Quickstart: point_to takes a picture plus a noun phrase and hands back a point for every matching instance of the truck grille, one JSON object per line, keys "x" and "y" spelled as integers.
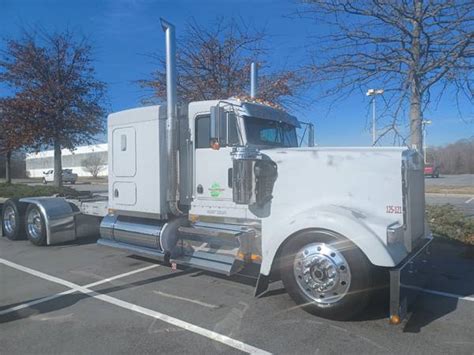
{"x": 413, "y": 199}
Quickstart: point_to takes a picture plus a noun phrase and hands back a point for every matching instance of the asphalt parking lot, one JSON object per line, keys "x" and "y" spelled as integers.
{"x": 83, "y": 298}
{"x": 451, "y": 180}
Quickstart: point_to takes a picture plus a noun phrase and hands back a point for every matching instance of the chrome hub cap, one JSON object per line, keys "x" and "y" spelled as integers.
{"x": 34, "y": 224}
{"x": 9, "y": 220}
{"x": 322, "y": 272}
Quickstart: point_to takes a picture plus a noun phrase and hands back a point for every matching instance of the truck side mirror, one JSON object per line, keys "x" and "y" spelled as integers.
{"x": 216, "y": 123}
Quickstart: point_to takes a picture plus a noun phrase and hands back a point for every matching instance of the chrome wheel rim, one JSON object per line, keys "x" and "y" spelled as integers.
{"x": 9, "y": 220}
{"x": 34, "y": 224}
{"x": 322, "y": 273}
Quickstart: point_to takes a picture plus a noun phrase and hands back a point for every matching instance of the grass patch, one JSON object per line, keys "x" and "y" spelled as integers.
{"x": 22, "y": 190}
{"x": 447, "y": 222}
{"x": 465, "y": 190}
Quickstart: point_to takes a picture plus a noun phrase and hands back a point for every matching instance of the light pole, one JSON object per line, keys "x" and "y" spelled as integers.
{"x": 424, "y": 123}
{"x": 374, "y": 92}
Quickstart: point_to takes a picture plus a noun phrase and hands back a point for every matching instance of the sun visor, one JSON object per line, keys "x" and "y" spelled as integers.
{"x": 267, "y": 113}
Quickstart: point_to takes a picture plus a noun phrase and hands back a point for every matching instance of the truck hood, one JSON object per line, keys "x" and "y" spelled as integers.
{"x": 365, "y": 179}
{"x": 313, "y": 150}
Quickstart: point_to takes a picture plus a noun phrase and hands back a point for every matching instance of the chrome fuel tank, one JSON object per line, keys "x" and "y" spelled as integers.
{"x": 132, "y": 230}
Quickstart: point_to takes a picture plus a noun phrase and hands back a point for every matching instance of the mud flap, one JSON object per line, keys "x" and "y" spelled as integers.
{"x": 262, "y": 285}
{"x": 406, "y": 280}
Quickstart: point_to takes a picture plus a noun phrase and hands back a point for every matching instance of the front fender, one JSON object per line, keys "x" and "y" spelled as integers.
{"x": 367, "y": 235}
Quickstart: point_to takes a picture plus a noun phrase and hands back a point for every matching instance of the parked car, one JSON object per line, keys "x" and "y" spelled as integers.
{"x": 431, "y": 170}
{"x": 68, "y": 176}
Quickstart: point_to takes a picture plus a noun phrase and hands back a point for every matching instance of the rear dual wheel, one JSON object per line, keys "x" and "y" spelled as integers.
{"x": 20, "y": 219}
{"x": 326, "y": 274}
{"x": 35, "y": 226}
{"x": 13, "y": 213}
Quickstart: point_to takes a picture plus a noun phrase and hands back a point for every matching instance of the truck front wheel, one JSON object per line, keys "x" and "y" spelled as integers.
{"x": 326, "y": 274}
{"x": 35, "y": 226}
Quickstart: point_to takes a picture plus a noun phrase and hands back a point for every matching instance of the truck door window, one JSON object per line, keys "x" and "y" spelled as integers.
{"x": 203, "y": 135}
{"x": 228, "y": 132}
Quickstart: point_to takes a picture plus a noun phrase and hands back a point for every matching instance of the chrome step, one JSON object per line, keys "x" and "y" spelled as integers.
{"x": 212, "y": 246}
{"x": 227, "y": 265}
{"x": 211, "y": 236}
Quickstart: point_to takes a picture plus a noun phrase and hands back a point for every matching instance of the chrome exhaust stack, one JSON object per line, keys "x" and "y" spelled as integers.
{"x": 253, "y": 80}
{"x": 172, "y": 195}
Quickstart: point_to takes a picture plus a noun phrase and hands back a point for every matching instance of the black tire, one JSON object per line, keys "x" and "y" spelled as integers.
{"x": 15, "y": 230}
{"x": 44, "y": 181}
{"x": 357, "y": 296}
{"x": 34, "y": 218}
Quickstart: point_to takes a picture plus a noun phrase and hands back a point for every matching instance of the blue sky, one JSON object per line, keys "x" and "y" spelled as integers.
{"x": 123, "y": 32}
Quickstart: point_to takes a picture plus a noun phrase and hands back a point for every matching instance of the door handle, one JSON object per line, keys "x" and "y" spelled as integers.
{"x": 229, "y": 178}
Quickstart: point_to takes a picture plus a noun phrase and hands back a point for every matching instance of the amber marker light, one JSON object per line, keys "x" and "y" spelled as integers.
{"x": 394, "y": 319}
{"x": 215, "y": 145}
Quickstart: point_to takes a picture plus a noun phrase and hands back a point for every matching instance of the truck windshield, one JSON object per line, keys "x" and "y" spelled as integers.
{"x": 270, "y": 133}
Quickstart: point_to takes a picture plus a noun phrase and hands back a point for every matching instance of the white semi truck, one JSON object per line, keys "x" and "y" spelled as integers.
{"x": 222, "y": 186}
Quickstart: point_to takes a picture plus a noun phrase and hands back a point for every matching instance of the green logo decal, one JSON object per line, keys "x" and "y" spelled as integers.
{"x": 215, "y": 190}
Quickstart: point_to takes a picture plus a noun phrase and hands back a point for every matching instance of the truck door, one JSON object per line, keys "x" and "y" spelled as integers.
{"x": 213, "y": 172}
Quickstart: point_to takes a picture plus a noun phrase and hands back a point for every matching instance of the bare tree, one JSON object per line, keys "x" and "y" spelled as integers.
{"x": 53, "y": 78}
{"x": 454, "y": 158}
{"x": 93, "y": 164}
{"x": 214, "y": 63}
{"x": 413, "y": 49}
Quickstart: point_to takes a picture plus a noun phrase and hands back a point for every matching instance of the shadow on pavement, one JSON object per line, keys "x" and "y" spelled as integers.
{"x": 53, "y": 305}
{"x": 451, "y": 271}
{"x": 68, "y": 300}
{"x": 78, "y": 241}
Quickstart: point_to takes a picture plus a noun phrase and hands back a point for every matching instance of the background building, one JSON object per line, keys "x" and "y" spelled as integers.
{"x": 37, "y": 163}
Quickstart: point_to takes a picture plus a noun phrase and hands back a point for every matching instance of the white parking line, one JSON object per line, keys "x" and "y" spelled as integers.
{"x": 68, "y": 292}
{"x": 440, "y": 293}
{"x": 121, "y": 275}
{"x": 139, "y": 309}
{"x": 468, "y": 201}
{"x": 204, "y": 304}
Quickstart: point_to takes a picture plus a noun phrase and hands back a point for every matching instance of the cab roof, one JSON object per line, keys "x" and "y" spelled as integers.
{"x": 254, "y": 109}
